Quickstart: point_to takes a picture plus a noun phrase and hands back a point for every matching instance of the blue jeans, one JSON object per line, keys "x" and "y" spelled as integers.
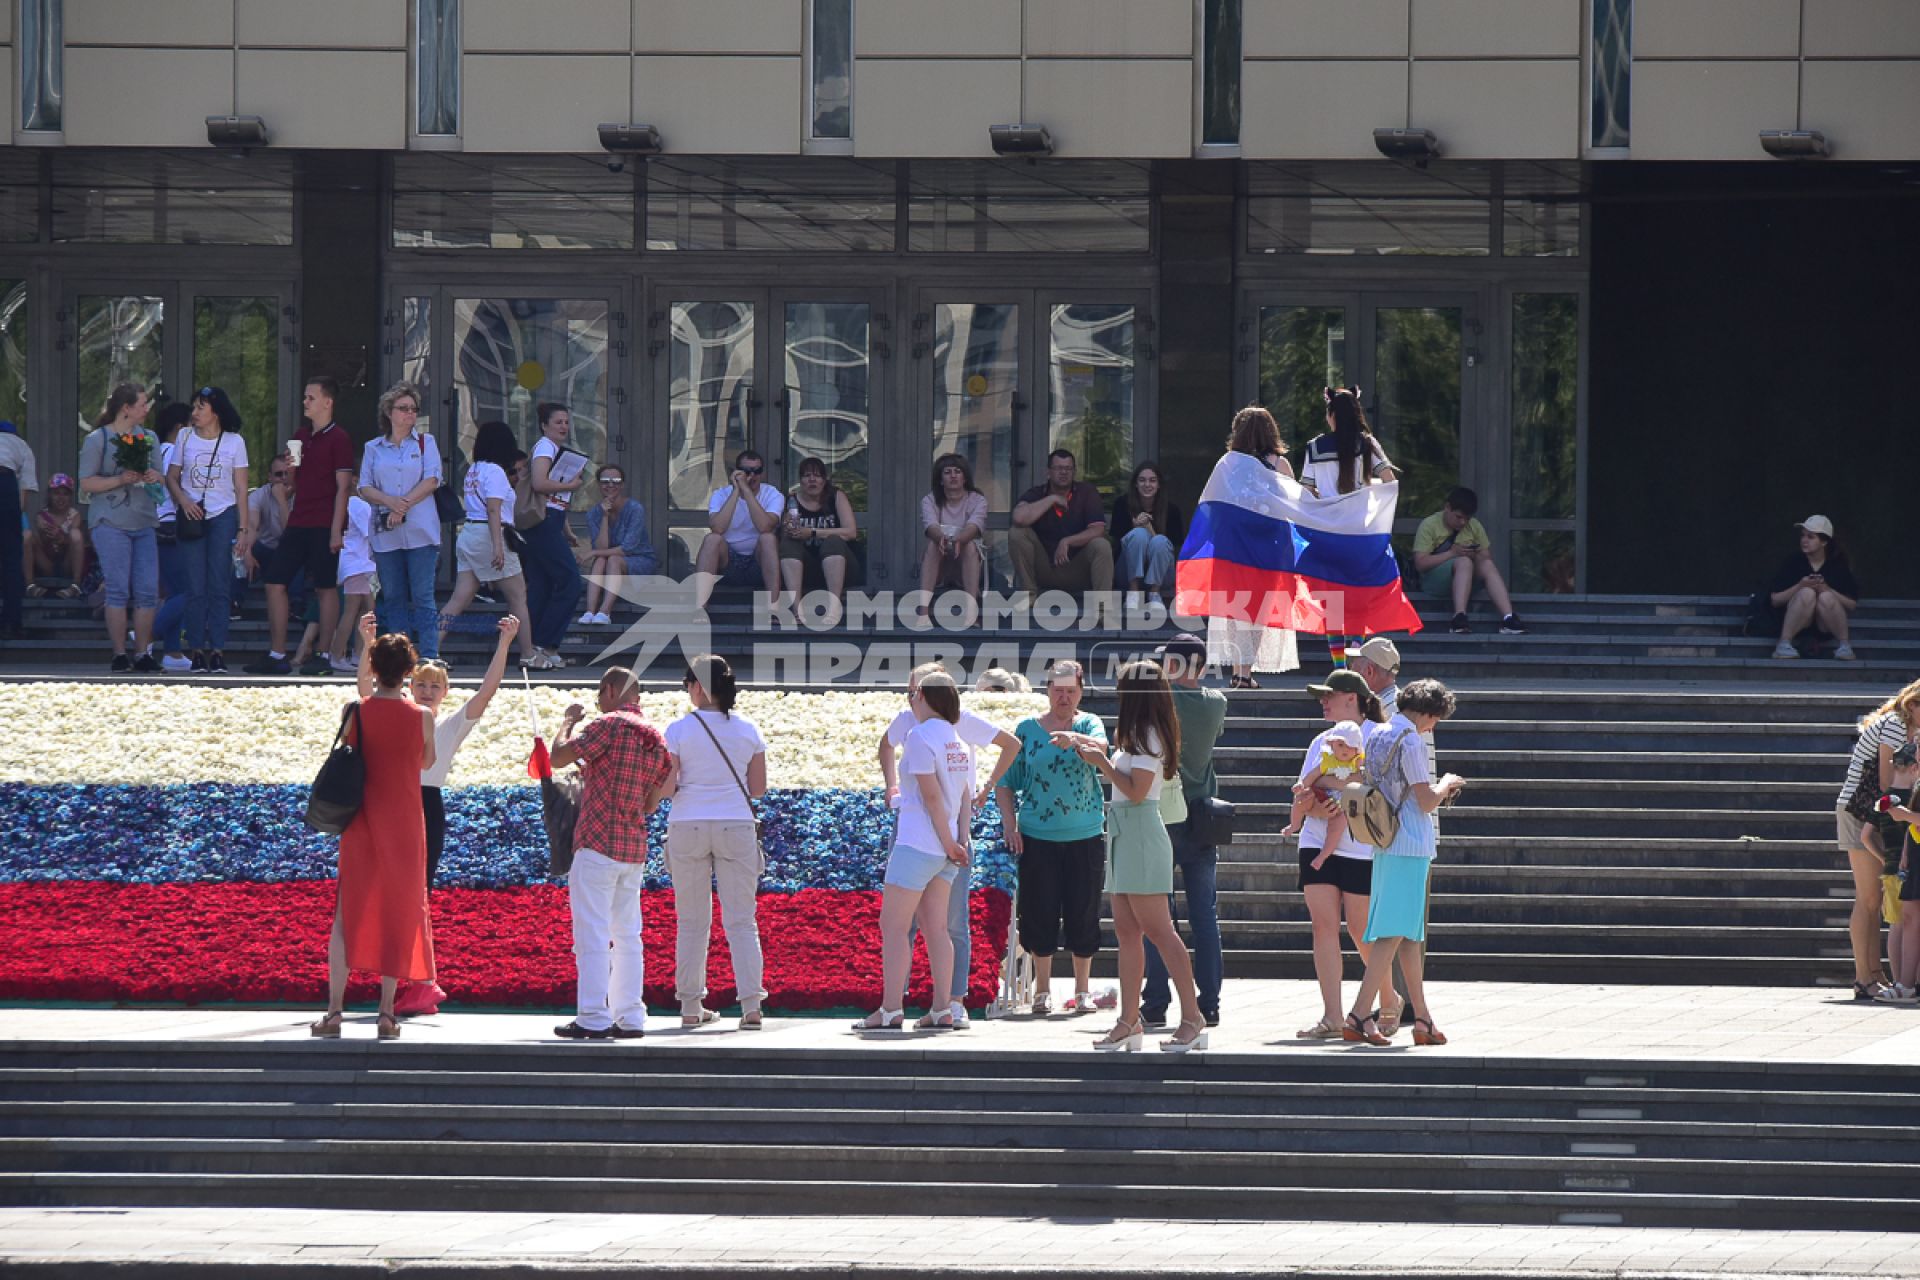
{"x": 208, "y": 565}
{"x": 960, "y": 929}
{"x": 167, "y": 634}
{"x": 554, "y": 584}
{"x": 406, "y": 596}
{"x": 130, "y": 564}
{"x": 1148, "y": 557}
{"x": 1199, "y": 874}
{"x": 13, "y": 570}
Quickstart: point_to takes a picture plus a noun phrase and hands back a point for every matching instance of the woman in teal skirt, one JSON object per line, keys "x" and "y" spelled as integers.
{"x": 1140, "y": 855}
{"x": 1397, "y": 764}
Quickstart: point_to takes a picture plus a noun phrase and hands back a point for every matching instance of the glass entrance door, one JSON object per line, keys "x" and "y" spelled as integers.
{"x": 1413, "y": 358}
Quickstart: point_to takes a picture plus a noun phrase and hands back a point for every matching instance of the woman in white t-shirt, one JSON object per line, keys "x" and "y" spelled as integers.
{"x": 429, "y": 689}
{"x": 978, "y": 733}
{"x": 1397, "y": 764}
{"x": 207, "y": 477}
{"x": 719, "y": 769}
{"x": 554, "y": 584}
{"x": 480, "y": 552}
{"x": 1140, "y": 855}
{"x": 932, "y": 842}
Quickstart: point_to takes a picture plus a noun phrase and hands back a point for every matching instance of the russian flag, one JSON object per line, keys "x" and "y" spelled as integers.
{"x": 1262, "y": 548}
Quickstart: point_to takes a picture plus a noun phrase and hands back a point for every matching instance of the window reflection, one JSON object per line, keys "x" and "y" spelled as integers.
{"x": 1370, "y": 207}
{"x": 41, "y": 65}
{"x": 1303, "y": 350}
{"x": 172, "y": 197}
{"x": 1544, "y": 561}
{"x": 509, "y": 354}
{"x": 1221, "y": 88}
{"x": 976, "y": 377}
{"x": 833, "y": 68}
{"x": 1545, "y": 397}
{"x": 121, "y": 339}
{"x": 13, "y": 351}
{"x": 1612, "y": 72}
{"x": 1090, "y": 391}
{"x": 1416, "y": 364}
{"x": 827, "y": 376}
{"x": 709, "y": 396}
{"x": 436, "y": 68}
{"x": 236, "y": 346}
{"x": 443, "y": 201}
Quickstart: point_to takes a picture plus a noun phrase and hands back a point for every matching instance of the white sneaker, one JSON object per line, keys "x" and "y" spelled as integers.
{"x": 959, "y": 1010}
{"x": 344, "y": 667}
{"x": 588, "y": 619}
{"x": 1133, "y": 601}
{"x": 176, "y": 662}
{"x": 604, "y": 619}
{"x": 1845, "y": 653}
{"x": 1153, "y": 598}
{"x": 1785, "y": 651}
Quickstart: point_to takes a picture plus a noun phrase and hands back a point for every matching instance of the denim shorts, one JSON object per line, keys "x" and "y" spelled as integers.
{"x": 916, "y": 869}
{"x": 130, "y": 563}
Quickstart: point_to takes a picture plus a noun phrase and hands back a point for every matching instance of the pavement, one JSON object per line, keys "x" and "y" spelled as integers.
{"x": 1505, "y": 1021}
{"x": 129, "y": 1244}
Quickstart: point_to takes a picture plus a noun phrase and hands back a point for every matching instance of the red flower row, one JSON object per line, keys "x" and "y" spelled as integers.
{"x": 266, "y": 943}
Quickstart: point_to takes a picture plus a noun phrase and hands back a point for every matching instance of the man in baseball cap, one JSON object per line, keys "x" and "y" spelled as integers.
{"x": 1378, "y": 663}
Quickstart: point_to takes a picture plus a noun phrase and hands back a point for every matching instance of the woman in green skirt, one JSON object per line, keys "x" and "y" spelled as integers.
{"x": 1140, "y": 856}
{"x": 1397, "y": 764}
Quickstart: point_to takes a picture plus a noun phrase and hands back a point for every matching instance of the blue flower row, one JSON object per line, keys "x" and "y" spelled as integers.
{"x": 216, "y": 832}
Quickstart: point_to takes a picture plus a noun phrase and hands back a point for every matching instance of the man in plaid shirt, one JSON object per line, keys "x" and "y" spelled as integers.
{"x": 625, "y": 761}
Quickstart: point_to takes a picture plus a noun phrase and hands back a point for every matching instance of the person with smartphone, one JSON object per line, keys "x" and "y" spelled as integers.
{"x": 1814, "y": 590}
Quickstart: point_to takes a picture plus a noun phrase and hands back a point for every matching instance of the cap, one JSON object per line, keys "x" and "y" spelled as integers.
{"x": 1186, "y": 646}
{"x": 1382, "y": 652}
{"x": 1348, "y": 732}
{"x": 1817, "y": 524}
{"x": 61, "y": 480}
{"x": 1342, "y": 681}
{"x": 1065, "y": 671}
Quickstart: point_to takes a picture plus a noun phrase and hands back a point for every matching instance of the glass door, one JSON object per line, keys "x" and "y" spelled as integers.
{"x": 825, "y": 405}
{"x": 117, "y": 333}
{"x": 971, "y": 358}
{"x": 709, "y": 353}
{"x": 243, "y": 342}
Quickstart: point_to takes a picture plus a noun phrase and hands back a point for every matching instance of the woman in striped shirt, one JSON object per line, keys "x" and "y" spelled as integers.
{"x": 1894, "y": 724}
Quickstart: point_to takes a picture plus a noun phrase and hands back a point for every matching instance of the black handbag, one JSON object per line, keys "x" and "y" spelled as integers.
{"x": 449, "y": 508}
{"x": 559, "y": 811}
{"x": 189, "y": 528}
{"x": 1210, "y": 821}
{"x": 340, "y": 787}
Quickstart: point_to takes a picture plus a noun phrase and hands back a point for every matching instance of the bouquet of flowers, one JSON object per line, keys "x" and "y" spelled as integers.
{"x": 133, "y": 451}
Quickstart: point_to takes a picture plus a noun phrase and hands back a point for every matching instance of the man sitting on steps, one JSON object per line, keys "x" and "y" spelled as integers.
{"x": 1059, "y": 535}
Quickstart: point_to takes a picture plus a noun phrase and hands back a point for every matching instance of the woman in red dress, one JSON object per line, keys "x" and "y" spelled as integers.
{"x": 380, "y": 916}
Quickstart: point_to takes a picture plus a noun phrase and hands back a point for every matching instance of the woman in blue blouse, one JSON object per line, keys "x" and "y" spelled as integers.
{"x": 1059, "y": 835}
{"x": 617, "y": 544}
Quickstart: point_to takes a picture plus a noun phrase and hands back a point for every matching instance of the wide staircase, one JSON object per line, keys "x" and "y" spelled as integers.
{"x": 670, "y": 1129}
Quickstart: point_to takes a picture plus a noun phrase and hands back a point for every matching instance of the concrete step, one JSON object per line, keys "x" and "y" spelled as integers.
{"x": 1811, "y": 800}
{"x": 1598, "y": 759}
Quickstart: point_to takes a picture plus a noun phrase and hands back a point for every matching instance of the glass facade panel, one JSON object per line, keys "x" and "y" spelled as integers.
{"x": 416, "y": 363}
{"x": 1220, "y": 89}
{"x": 122, "y": 338}
{"x": 1416, "y": 411}
{"x": 443, "y": 201}
{"x": 976, "y": 378}
{"x": 833, "y": 68}
{"x": 1008, "y": 206}
{"x": 1370, "y": 207}
{"x": 1612, "y": 63}
{"x": 1545, "y": 405}
{"x": 1090, "y": 391}
{"x": 710, "y": 392}
{"x": 510, "y": 354}
{"x": 436, "y": 67}
{"x": 1540, "y": 217}
{"x": 827, "y": 373}
{"x": 173, "y": 197}
{"x": 1303, "y": 350}
{"x": 41, "y": 65}
{"x": 819, "y": 203}
{"x": 14, "y": 319}
{"x": 236, "y": 346}
{"x": 1543, "y": 561}
{"x": 20, "y": 194}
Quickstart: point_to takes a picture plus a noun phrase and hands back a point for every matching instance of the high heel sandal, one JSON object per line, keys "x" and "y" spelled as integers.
{"x": 389, "y": 1027}
{"x": 1121, "y": 1040}
{"x": 881, "y": 1020}
{"x": 1432, "y": 1034}
{"x": 1196, "y": 1041}
{"x": 1356, "y": 1030}
{"x": 327, "y": 1028}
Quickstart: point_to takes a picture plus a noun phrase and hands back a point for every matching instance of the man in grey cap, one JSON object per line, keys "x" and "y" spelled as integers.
{"x": 1202, "y": 714}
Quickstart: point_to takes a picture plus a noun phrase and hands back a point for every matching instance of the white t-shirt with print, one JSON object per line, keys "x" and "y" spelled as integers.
{"x": 486, "y": 480}
{"x": 707, "y": 791}
{"x": 741, "y": 536}
{"x": 207, "y": 467}
{"x": 448, "y": 733}
{"x": 1125, "y": 762}
{"x": 1313, "y": 832}
{"x": 547, "y": 449}
{"x": 974, "y": 730}
{"x": 356, "y": 540}
{"x": 164, "y": 509}
{"x": 934, "y": 747}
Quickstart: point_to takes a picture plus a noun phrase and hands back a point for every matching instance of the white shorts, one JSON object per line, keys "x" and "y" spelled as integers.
{"x": 916, "y": 869}
{"x": 360, "y": 584}
{"x": 473, "y": 553}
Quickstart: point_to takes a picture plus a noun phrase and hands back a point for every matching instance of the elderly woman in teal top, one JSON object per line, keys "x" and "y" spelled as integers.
{"x": 1059, "y": 836}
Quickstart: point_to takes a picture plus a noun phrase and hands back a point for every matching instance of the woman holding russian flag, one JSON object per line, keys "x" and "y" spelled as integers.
{"x": 1248, "y": 640}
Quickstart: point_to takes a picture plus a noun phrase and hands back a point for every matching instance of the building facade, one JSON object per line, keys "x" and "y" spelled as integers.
{"x": 1645, "y": 342}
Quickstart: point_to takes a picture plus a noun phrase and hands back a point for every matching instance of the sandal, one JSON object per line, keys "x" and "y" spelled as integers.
{"x": 1043, "y": 1004}
{"x": 389, "y": 1027}
{"x": 327, "y": 1028}
{"x": 36, "y": 592}
{"x": 1124, "y": 1038}
{"x": 700, "y": 1019}
{"x": 881, "y": 1020}
{"x": 1325, "y": 1029}
{"x": 1356, "y": 1030}
{"x": 931, "y": 1021}
{"x": 751, "y": 1020}
{"x": 1198, "y": 1040}
{"x": 68, "y": 592}
{"x": 1390, "y": 1019}
{"x": 1432, "y": 1034}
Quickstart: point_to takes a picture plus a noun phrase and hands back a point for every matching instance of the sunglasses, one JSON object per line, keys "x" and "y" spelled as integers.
{"x": 607, "y": 480}
{"x": 752, "y": 471}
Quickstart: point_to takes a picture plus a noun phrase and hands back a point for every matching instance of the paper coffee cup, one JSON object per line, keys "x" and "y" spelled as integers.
{"x": 293, "y": 450}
